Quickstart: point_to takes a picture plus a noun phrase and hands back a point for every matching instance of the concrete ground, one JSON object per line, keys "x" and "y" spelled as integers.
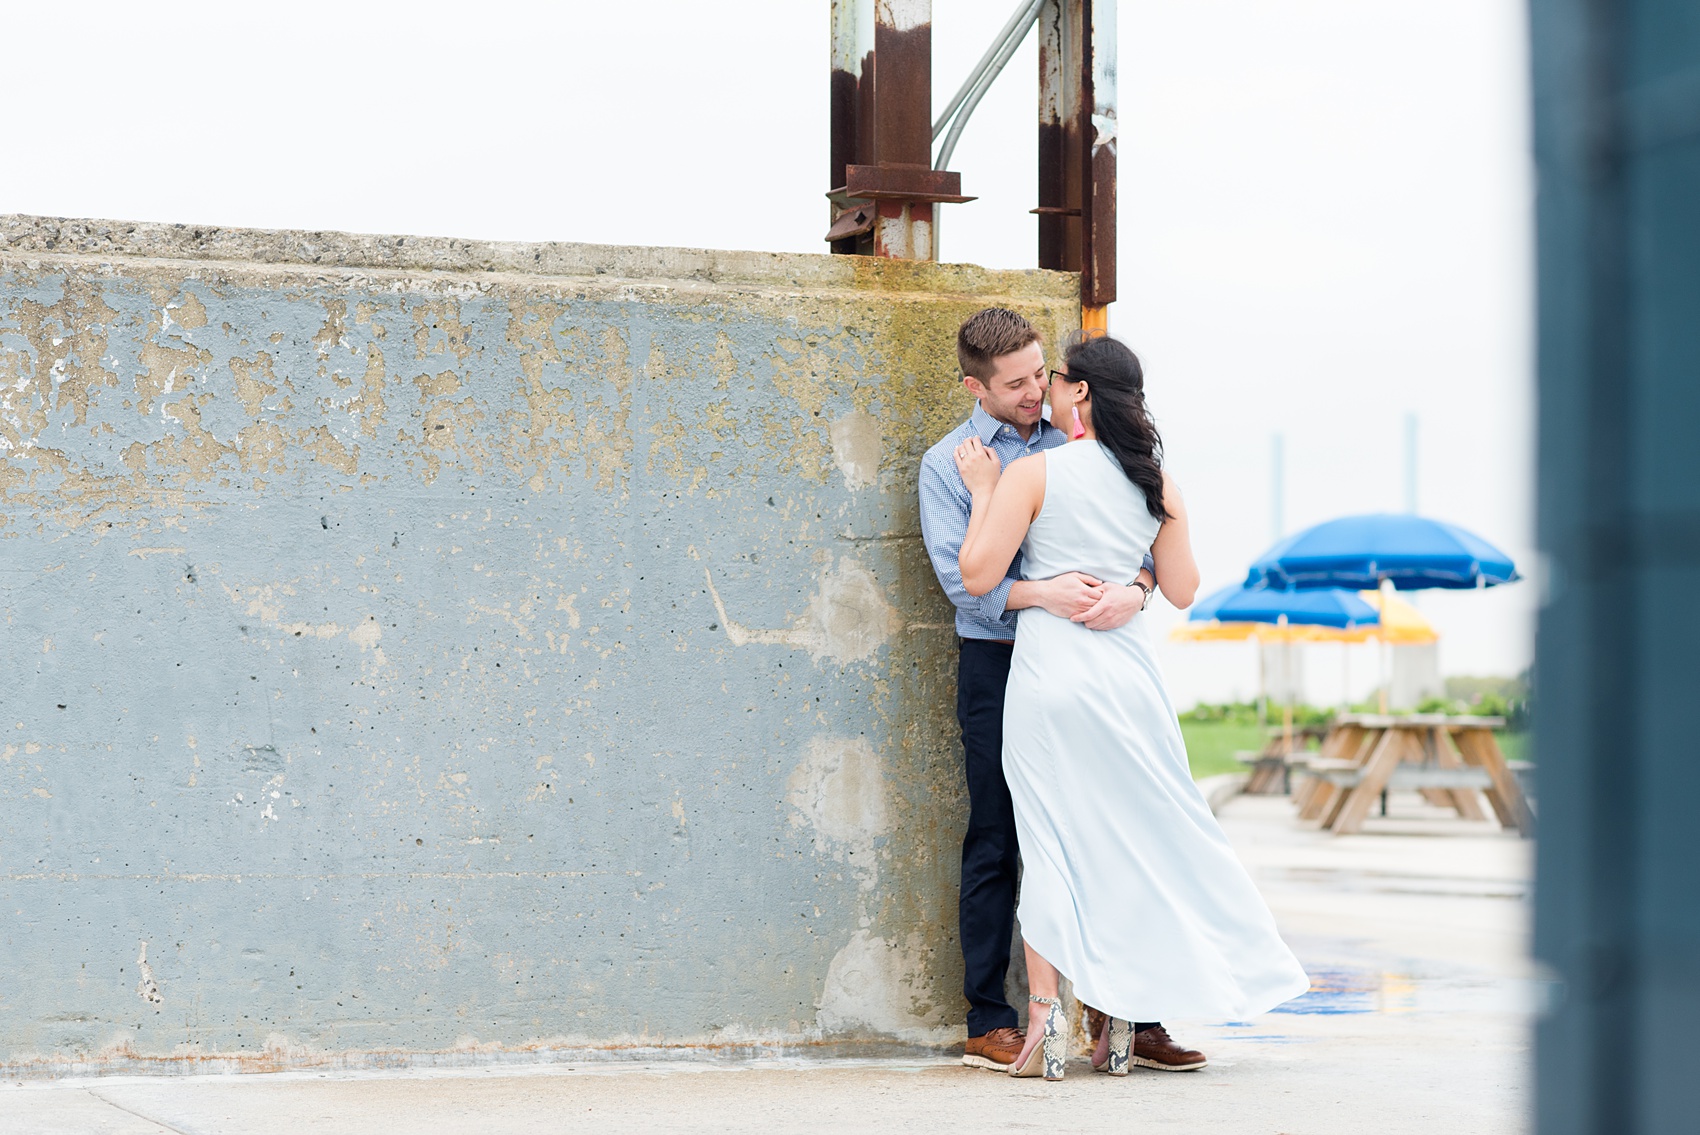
{"x": 1414, "y": 934}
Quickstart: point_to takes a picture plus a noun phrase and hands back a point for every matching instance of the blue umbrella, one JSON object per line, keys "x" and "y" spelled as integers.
{"x": 1317, "y": 608}
{"x": 1361, "y": 552}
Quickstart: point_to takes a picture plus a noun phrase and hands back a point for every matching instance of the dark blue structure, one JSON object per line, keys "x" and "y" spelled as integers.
{"x": 1617, "y": 136}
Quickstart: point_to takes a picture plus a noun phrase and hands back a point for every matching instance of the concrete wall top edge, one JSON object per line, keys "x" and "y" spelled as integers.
{"x": 24, "y": 235}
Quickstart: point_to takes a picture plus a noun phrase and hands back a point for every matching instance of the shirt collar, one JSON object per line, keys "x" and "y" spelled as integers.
{"x": 986, "y": 427}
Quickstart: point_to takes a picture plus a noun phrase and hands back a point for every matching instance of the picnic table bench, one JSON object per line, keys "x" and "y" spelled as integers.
{"x": 1453, "y": 761}
{"x": 1270, "y": 770}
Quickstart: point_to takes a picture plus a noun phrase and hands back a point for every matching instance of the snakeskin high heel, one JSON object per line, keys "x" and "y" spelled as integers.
{"x": 1115, "y": 1048}
{"x": 1047, "y": 1057}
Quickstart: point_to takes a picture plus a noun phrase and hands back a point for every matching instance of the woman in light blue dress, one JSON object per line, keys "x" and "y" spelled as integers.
{"x": 1128, "y": 886}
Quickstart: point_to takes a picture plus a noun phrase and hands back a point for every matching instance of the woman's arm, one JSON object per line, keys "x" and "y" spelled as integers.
{"x": 1177, "y": 571}
{"x": 1004, "y": 505}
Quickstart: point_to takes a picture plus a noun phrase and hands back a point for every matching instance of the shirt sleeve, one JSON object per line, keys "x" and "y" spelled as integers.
{"x": 944, "y": 523}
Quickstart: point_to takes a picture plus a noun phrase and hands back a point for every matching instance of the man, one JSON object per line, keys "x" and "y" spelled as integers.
{"x": 1003, "y": 367}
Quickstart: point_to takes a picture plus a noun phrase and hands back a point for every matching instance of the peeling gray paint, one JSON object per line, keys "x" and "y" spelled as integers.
{"x": 440, "y": 647}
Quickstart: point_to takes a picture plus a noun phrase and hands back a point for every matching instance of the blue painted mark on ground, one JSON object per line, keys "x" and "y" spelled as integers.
{"x": 1339, "y": 991}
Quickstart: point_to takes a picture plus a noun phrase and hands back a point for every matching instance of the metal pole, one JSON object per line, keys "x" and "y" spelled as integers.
{"x": 1345, "y": 676}
{"x": 1262, "y": 687}
{"x": 980, "y": 81}
{"x": 882, "y": 139}
{"x": 1060, "y": 34}
{"x": 1077, "y": 148}
{"x": 903, "y": 50}
{"x": 1384, "y": 650}
{"x": 1411, "y": 463}
{"x": 851, "y": 111}
{"x": 1287, "y": 677}
{"x": 991, "y": 65}
{"x": 1098, "y": 130}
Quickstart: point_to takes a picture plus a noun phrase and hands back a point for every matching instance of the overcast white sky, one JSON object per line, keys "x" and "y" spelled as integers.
{"x": 1325, "y": 204}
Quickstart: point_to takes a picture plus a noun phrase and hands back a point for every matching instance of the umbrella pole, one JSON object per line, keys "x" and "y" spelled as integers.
{"x": 1345, "y": 676}
{"x": 1381, "y": 635}
{"x": 1262, "y": 687}
{"x": 1381, "y": 659}
{"x": 1287, "y": 676}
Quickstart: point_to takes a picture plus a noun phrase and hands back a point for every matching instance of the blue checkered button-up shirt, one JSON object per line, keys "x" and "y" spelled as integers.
{"x": 945, "y": 506}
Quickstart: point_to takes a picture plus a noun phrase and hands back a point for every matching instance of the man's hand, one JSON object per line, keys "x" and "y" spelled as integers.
{"x": 1115, "y": 609}
{"x": 1068, "y": 596}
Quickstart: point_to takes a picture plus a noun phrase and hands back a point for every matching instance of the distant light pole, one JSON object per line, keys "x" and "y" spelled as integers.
{"x": 1278, "y": 528}
{"x": 1385, "y": 651}
{"x": 1411, "y": 463}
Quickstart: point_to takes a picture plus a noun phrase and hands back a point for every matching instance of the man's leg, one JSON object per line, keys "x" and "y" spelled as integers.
{"x": 987, "y": 908}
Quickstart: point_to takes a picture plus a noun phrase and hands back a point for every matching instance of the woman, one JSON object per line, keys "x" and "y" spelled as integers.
{"x": 1129, "y": 886}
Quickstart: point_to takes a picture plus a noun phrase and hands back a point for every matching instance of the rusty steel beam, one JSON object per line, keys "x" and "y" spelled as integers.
{"x": 1059, "y": 135}
{"x": 903, "y": 91}
{"x": 1098, "y": 208}
{"x": 1077, "y": 147}
{"x": 852, "y": 122}
{"x": 882, "y": 101}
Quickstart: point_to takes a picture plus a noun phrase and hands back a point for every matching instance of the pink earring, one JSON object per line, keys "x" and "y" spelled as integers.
{"x": 1079, "y": 430}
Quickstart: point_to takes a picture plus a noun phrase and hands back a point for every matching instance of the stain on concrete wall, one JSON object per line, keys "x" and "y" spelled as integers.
{"x": 429, "y": 646}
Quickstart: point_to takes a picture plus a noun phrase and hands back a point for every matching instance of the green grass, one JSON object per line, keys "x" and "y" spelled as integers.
{"x": 1210, "y": 745}
{"x": 1515, "y": 746}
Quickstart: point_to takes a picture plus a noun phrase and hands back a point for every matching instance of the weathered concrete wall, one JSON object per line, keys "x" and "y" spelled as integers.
{"x": 428, "y": 646}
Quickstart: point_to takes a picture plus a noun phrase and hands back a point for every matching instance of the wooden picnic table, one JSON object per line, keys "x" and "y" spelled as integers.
{"x": 1449, "y": 759}
{"x": 1269, "y": 770}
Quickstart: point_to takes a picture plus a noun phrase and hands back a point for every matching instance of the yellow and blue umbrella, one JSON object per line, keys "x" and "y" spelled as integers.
{"x": 1400, "y": 625}
{"x": 1235, "y": 614}
{"x": 1384, "y": 551}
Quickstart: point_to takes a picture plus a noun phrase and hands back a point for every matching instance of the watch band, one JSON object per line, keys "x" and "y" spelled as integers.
{"x": 1146, "y": 602}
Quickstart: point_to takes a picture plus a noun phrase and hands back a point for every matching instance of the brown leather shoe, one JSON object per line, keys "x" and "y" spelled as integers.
{"x": 1154, "y": 1049}
{"x": 1096, "y": 1019}
{"x": 995, "y": 1050}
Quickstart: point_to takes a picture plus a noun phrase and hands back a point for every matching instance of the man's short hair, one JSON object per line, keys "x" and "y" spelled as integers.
{"x": 987, "y": 336}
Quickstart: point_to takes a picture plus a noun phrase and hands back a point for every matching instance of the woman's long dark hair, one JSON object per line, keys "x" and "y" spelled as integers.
{"x": 1119, "y": 416}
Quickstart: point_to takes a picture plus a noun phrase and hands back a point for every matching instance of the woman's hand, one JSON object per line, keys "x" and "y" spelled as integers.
{"x": 979, "y": 466}
{"x": 1071, "y": 595}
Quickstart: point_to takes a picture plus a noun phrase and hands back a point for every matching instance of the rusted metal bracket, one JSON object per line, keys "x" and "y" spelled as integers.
{"x": 882, "y": 77}
{"x": 854, "y": 221}
{"x": 882, "y": 133}
{"x": 902, "y": 182}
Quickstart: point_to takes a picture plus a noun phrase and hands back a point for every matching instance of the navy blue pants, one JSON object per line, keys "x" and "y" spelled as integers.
{"x": 990, "y": 852}
{"x": 987, "y": 910}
